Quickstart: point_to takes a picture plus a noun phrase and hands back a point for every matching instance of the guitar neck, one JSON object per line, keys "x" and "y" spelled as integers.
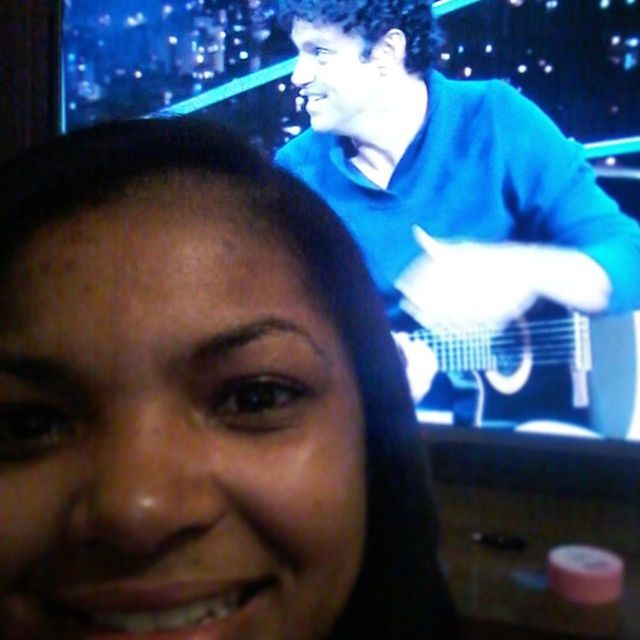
{"x": 549, "y": 341}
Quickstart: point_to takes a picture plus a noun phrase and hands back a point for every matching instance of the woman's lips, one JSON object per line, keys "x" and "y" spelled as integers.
{"x": 134, "y": 595}
{"x": 162, "y": 620}
{"x": 172, "y": 609}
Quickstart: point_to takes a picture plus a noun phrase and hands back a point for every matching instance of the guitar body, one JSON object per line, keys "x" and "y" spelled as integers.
{"x": 506, "y": 396}
{"x": 546, "y": 395}
{"x": 614, "y": 381}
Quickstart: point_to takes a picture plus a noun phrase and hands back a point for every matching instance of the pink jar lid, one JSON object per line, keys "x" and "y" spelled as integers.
{"x": 585, "y": 574}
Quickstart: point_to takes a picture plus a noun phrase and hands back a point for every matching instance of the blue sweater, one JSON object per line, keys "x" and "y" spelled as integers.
{"x": 487, "y": 165}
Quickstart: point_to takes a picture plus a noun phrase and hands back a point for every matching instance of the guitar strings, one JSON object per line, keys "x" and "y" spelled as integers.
{"x": 488, "y": 348}
{"x": 496, "y": 337}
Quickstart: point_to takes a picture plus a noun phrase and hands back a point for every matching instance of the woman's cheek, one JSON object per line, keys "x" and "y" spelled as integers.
{"x": 307, "y": 490}
{"x": 33, "y": 500}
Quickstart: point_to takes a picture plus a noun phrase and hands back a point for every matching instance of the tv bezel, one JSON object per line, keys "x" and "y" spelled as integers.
{"x": 545, "y": 464}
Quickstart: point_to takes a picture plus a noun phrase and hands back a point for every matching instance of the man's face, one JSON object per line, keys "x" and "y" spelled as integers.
{"x": 342, "y": 88}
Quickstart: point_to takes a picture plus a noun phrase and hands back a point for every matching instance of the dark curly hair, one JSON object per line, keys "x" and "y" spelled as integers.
{"x": 371, "y": 19}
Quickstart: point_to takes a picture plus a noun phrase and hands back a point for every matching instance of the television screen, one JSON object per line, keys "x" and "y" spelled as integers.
{"x": 551, "y": 370}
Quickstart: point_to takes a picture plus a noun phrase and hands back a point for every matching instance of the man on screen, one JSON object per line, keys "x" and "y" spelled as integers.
{"x": 464, "y": 195}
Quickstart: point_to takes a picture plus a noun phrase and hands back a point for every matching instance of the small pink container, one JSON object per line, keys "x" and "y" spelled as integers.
{"x": 585, "y": 574}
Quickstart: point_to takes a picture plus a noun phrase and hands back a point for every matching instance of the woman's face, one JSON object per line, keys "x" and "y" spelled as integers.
{"x": 181, "y": 437}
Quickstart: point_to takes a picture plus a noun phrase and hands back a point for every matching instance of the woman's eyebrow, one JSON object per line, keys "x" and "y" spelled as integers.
{"x": 49, "y": 374}
{"x": 239, "y": 336}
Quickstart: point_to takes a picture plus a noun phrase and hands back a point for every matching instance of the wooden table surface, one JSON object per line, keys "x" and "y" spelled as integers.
{"x": 509, "y": 587}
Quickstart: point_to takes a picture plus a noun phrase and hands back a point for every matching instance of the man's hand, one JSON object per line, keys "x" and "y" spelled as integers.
{"x": 463, "y": 286}
{"x": 420, "y": 363}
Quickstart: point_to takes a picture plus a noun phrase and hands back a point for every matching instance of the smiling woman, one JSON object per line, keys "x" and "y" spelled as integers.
{"x": 205, "y": 432}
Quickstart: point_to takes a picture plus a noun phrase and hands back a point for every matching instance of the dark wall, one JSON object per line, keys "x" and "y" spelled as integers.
{"x": 28, "y": 86}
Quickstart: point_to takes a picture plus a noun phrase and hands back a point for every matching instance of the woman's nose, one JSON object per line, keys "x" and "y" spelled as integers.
{"x": 150, "y": 481}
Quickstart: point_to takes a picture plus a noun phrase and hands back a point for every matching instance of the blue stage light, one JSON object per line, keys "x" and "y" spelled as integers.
{"x": 615, "y": 147}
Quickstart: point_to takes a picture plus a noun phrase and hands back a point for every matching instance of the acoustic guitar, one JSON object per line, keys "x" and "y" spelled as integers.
{"x": 564, "y": 366}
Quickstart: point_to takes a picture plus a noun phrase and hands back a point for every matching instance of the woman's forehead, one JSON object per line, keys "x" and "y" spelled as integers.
{"x": 160, "y": 240}
{"x": 147, "y": 233}
{"x": 164, "y": 206}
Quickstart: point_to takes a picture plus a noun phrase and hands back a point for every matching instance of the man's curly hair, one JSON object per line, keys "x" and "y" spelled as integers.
{"x": 371, "y": 19}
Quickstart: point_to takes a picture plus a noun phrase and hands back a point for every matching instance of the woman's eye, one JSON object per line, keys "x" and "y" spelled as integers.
{"x": 27, "y": 428}
{"x": 257, "y": 396}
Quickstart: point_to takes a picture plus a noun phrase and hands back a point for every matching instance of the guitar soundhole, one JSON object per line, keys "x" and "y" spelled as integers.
{"x": 508, "y": 348}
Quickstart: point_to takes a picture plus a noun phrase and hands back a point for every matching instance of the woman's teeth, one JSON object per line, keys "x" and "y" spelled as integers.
{"x": 217, "y": 607}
